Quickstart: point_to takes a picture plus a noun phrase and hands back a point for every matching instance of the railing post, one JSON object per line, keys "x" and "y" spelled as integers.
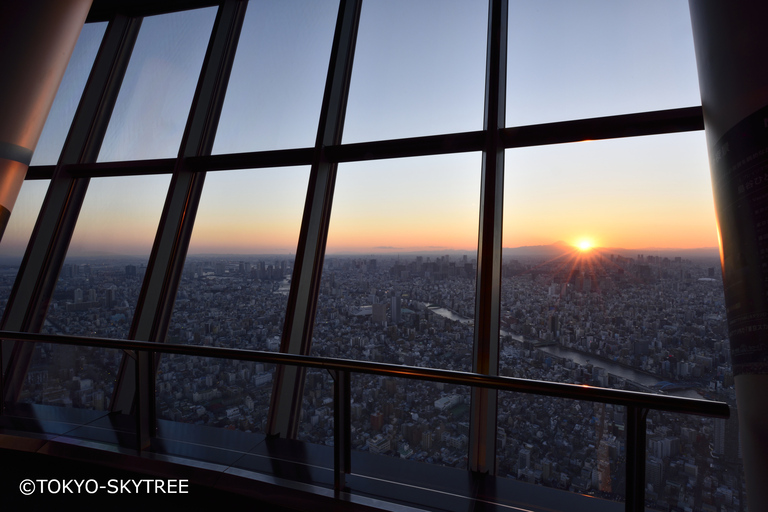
{"x": 145, "y": 399}
{"x": 342, "y": 431}
{"x": 635, "y": 493}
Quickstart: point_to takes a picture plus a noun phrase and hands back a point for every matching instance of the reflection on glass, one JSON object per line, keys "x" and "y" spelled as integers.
{"x": 716, "y": 465}
{"x": 152, "y": 107}
{"x": 564, "y": 444}
{"x": 17, "y": 233}
{"x": 219, "y": 393}
{"x": 419, "y": 70}
{"x": 276, "y": 89}
{"x": 97, "y": 291}
{"x": 409, "y": 419}
{"x": 403, "y": 418}
{"x": 68, "y": 96}
{"x": 573, "y": 60}
{"x": 237, "y": 275}
{"x": 686, "y": 466}
{"x": 398, "y": 283}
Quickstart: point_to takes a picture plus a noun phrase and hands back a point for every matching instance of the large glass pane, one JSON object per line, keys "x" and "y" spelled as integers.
{"x": 97, "y": 291}
{"x": 233, "y": 293}
{"x": 17, "y": 233}
{"x": 152, "y": 107}
{"x": 419, "y": 69}
{"x": 398, "y": 284}
{"x": 572, "y": 60}
{"x": 68, "y": 96}
{"x": 610, "y": 253}
{"x": 611, "y": 277}
{"x": 632, "y": 193}
{"x": 236, "y": 277}
{"x": 276, "y": 89}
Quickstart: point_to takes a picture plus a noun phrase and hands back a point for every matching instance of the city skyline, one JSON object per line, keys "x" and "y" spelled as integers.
{"x": 642, "y": 323}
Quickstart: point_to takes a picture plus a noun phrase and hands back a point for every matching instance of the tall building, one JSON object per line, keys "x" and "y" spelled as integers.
{"x": 379, "y": 313}
{"x": 396, "y": 308}
{"x": 719, "y": 445}
{"x": 172, "y": 415}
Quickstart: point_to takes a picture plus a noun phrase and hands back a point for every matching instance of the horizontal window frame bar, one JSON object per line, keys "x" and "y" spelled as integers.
{"x": 658, "y": 122}
{"x": 105, "y": 10}
{"x": 105, "y": 169}
{"x": 40, "y": 172}
{"x": 466, "y": 142}
{"x": 621, "y": 397}
{"x": 252, "y": 160}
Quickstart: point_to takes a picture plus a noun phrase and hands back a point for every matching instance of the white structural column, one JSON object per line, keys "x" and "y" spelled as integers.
{"x": 37, "y": 39}
{"x": 731, "y": 50}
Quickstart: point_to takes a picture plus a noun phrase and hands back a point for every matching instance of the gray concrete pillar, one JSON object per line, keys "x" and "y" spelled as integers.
{"x": 731, "y": 51}
{"x": 37, "y": 38}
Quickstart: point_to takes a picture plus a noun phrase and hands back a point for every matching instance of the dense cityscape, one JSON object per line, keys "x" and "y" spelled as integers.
{"x": 640, "y": 322}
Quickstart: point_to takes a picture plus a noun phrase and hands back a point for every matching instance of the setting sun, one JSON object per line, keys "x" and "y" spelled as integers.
{"x": 584, "y": 245}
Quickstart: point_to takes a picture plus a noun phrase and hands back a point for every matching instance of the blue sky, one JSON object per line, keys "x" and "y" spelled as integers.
{"x": 419, "y": 70}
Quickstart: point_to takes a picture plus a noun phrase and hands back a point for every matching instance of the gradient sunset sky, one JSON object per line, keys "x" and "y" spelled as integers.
{"x": 418, "y": 70}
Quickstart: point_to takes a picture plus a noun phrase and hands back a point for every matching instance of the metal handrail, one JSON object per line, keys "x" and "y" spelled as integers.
{"x": 519, "y": 385}
{"x": 637, "y": 403}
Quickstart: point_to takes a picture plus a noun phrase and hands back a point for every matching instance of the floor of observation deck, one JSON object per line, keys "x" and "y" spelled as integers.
{"x": 232, "y": 467}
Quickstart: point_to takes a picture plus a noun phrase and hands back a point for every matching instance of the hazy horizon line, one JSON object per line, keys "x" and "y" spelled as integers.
{"x": 394, "y": 252}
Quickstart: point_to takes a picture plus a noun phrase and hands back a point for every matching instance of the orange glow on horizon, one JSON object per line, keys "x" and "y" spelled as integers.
{"x": 353, "y": 238}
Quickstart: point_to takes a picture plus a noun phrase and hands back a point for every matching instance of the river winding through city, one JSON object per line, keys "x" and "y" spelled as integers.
{"x": 580, "y": 358}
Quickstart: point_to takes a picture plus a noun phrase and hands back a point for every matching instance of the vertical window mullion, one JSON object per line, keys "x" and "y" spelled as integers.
{"x": 485, "y": 358}
{"x": 288, "y": 387}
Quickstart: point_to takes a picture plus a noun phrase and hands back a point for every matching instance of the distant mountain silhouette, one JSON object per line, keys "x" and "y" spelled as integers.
{"x": 549, "y": 251}
{"x": 528, "y": 251}
{"x": 559, "y": 248}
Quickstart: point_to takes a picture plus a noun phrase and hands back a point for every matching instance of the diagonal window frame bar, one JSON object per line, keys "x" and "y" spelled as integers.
{"x": 47, "y": 248}
{"x": 135, "y": 387}
{"x": 288, "y": 387}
